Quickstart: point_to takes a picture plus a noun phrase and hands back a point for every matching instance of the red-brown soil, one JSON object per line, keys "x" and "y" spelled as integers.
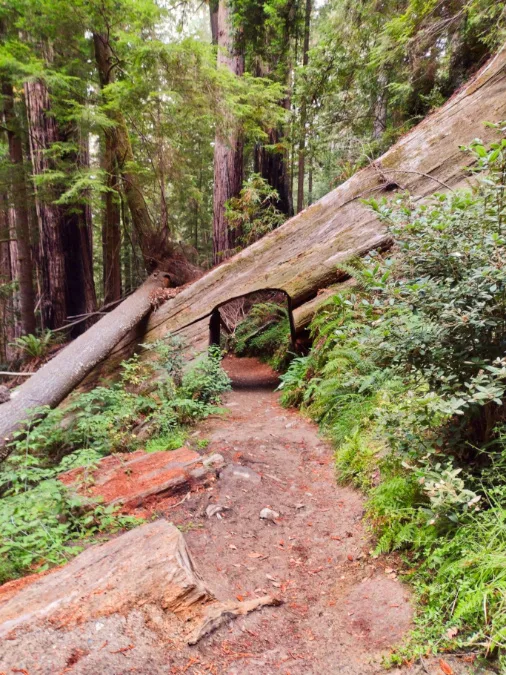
{"x": 342, "y": 610}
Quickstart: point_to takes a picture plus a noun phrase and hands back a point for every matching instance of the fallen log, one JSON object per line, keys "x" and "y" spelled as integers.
{"x": 55, "y": 380}
{"x": 300, "y": 258}
{"x": 303, "y": 255}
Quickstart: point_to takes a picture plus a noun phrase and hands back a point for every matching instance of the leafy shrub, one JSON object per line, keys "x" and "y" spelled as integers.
{"x": 206, "y": 381}
{"x": 407, "y": 376}
{"x": 167, "y": 442}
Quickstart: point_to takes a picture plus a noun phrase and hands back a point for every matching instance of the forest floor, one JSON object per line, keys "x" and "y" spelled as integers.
{"x": 342, "y": 609}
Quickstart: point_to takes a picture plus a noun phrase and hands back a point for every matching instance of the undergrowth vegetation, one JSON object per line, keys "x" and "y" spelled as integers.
{"x": 407, "y": 376}
{"x": 43, "y": 522}
{"x": 264, "y": 332}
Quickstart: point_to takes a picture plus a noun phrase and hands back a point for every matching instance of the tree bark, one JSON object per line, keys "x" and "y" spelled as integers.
{"x": 7, "y": 318}
{"x": 43, "y": 132}
{"x": 54, "y": 381}
{"x": 213, "y": 16}
{"x": 19, "y": 197}
{"x": 228, "y": 147}
{"x": 111, "y": 225}
{"x": 155, "y": 244}
{"x": 303, "y": 113}
{"x": 65, "y": 251}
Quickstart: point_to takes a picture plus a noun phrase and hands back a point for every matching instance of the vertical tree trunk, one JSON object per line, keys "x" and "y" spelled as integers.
{"x": 7, "y": 333}
{"x": 155, "y": 244}
{"x": 213, "y": 16}
{"x": 228, "y": 151}
{"x": 43, "y": 133}
{"x": 19, "y": 197}
{"x": 111, "y": 226}
{"x": 303, "y": 113}
{"x": 273, "y": 167}
{"x": 380, "y": 107}
{"x": 86, "y": 239}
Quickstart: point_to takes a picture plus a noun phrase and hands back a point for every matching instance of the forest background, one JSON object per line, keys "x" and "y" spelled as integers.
{"x": 140, "y": 133}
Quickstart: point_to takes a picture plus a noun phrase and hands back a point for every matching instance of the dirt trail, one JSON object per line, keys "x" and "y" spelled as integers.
{"x": 341, "y": 609}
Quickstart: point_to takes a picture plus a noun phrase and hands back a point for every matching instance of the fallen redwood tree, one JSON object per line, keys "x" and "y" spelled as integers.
{"x": 55, "y": 380}
{"x": 300, "y": 258}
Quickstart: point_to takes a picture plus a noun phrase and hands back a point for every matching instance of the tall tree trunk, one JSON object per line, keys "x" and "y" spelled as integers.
{"x": 43, "y": 132}
{"x": 7, "y": 319}
{"x": 19, "y": 197}
{"x": 228, "y": 151}
{"x": 380, "y": 107}
{"x": 273, "y": 167}
{"x": 155, "y": 243}
{"x": 213, "y": 16}
{"x": 303, "y": 113}
{"x": 111, "y": 225}
{"x": 86, "y": 238}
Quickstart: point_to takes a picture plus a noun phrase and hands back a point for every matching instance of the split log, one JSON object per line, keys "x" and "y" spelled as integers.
{"x": 54, "y": 381}
{"x": 300, "y": 258}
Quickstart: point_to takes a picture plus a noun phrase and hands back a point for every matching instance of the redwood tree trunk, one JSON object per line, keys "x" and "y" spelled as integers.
{"x": 228, "y": 150}
{"x": 43, "y": 133}
{"x": 111, "y": 225}
{"x": 7, "y": 319}
{"x": 19, "y": 197}
{"x": 303, "y": 114}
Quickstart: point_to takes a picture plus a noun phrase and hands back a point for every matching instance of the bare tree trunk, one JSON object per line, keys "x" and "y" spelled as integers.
{"x": 19, "y": 196}
{"x": 303, "y": 113}
{"x": 111, "y": 225}
{"x": 155, "y": 244}
{"x": 273, "y": 168}
{"x": 43, "y": 133}
{"x": 7, "y": 318}
{"x": 213, "y": 16}
{"x": 228, "y": 150}
{"x": 380, "y": 107}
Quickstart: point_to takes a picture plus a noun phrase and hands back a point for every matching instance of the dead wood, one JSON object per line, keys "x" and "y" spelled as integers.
{"x": 303, "y": 255}
{"x": 57, "y": 378}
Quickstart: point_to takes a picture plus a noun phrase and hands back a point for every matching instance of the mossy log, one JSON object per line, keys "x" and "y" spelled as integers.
{"x": 300, "y": 258}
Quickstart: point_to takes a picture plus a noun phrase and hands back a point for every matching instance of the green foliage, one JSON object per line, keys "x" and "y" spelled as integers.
{"x": 166, "y": 443}
{"x": 265, "y": 332}
{"x": 44, "y": 523}
{"x": 41, "y": 525}
{"x": 204, "y": 383}
{"x": 35, "y": 346}
{"x": 406, "y": 377}
{"x": 253, "y": 213}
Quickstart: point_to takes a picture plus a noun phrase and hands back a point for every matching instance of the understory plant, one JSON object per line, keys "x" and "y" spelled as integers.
{"x": 407, "y": 376}
{"x": 42, "y": 521}
{"x": 265, "y": 332}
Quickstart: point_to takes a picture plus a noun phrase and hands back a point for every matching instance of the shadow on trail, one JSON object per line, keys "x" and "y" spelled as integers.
{"x": 249, "y": 374}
